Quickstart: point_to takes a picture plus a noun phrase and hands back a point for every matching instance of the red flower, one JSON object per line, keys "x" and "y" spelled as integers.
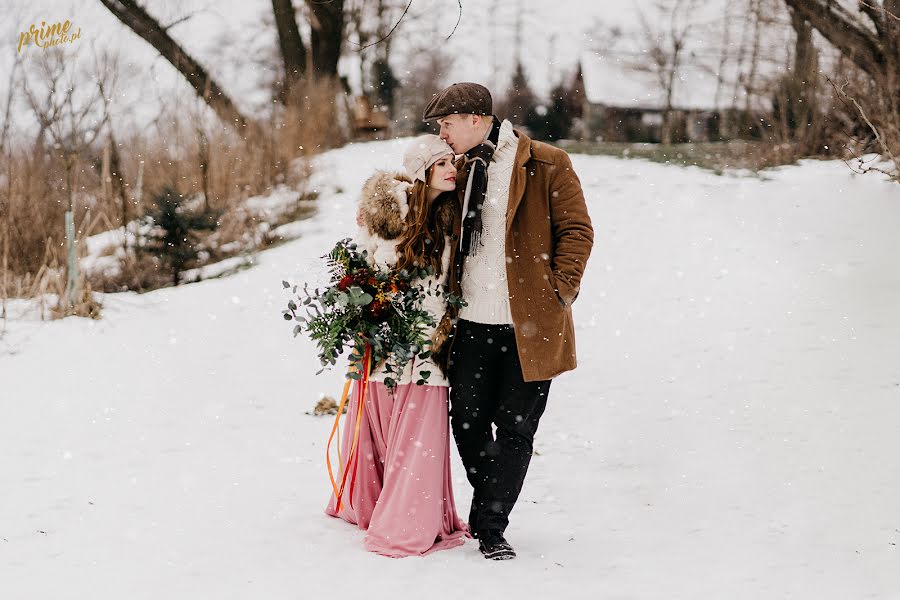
{"x": 345, "y": 282}
{"x": 377, "y": 309}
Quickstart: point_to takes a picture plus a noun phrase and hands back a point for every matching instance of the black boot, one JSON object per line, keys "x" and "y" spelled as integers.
{"x": 494, "y": 546}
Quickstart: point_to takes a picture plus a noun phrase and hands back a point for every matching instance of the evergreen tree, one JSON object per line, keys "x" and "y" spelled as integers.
{"x": 554, "y": 120}
{"x": 172, "y": 235}
{"x": 385, "y": 83}
{"x": 519, "y": 101}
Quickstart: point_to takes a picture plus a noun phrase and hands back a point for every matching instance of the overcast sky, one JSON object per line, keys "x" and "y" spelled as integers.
{"x": 224, "y": 35}
{"x": 554, "y": 33}
{"x": 551, "y": 30}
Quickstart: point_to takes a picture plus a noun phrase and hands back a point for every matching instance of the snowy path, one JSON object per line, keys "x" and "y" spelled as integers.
{"x": 731, "y": 431}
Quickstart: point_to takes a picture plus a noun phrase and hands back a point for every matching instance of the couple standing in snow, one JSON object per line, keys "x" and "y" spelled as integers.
{"x": 506, "y": 228}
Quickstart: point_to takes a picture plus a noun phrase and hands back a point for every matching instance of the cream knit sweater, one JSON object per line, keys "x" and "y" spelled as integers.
{"x": 383, "y": 253}
{"x": 484, "y": 285}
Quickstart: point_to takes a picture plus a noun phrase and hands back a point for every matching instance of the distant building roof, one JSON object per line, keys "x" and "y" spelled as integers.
{"x": 614, "y": 81}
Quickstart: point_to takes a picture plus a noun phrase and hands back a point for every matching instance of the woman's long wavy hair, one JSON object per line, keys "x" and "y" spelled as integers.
{"x": 423, "y": 244}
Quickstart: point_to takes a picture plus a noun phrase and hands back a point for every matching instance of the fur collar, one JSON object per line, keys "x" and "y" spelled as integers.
{"x": 383, "y": 206}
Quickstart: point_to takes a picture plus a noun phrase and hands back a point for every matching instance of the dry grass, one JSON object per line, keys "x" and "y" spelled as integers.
{"x": 327, "y": 406}
{"x": 116, "y": 178}
{"x": 714, "y": 156}
{"x": 48, "y": 287}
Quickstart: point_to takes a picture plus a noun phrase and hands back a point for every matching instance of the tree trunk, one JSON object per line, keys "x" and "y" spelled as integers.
{"x": 846, "y": 32}
{"x": 891, "y": 36}
{"x": 5, "y": 270}
{"x": 293, "y": 52}
{"x": 801, "y": 91}
{"x": 666, "y": 134}
{"x": 4, "y": 220}
{"x": 105, "y": 177}
{"x": 10, "y": 91}
{"x": 875, "y": 53}
{"x": 720, "y": 72}
{"x": 750, "y": 81}
{"x": 148, "y": 28}
{"x": 327, "y": 36}
{"x": 203, "y": 148}
{"x": 734, "y": 121}
{"x": 117, "y": 186}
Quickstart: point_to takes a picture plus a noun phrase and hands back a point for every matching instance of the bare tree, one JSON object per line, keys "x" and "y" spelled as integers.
{"x": 110, "y": 80}
{"x": 665, "y": 45}
{"x": 8, "y": 104}
{"x": 870, "y": 38}
{"x": 293, "y": 51}
{"x": 724, "y": 51}
{"x": 800, "y": 92}
{"x": 874, "y": 46}
{"x": 359, "y": 22}
{"x": 157, "y": 35}
{"x": 427, "y": 67}
{"x": 862, "y": 165}
{"x": 72, "y": 121}
{"x": 749, "y": 80}
{"x": 7, "y": 160}
{"x": 371, "y": 23}
{"x": 605, "y": 38}
{"x": 327, "y": 36}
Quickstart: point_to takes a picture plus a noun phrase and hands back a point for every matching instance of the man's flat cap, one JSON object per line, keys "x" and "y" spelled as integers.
{"x": 460, "y": 98}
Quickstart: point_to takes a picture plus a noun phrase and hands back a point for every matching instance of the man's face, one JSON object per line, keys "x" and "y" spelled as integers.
{"x": 462, "y": 132}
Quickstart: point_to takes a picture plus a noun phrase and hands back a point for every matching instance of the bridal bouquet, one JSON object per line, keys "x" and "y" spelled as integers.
{"x": 377, "y": 313}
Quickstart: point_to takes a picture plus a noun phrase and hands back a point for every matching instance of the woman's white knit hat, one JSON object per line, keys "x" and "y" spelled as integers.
{"x": 423, "y": 152}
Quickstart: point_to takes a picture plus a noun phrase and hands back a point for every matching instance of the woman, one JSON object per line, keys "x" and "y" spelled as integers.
{"x": 402, "y": 493}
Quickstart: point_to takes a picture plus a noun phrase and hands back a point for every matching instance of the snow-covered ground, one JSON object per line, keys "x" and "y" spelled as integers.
{"x": 731, "y": 432}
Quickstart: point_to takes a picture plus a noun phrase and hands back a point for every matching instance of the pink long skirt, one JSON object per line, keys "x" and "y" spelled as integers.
{"x": 403, "y": 494}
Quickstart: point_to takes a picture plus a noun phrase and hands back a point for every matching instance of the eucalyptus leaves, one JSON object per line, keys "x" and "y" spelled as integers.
{"x": 365, "y": 305}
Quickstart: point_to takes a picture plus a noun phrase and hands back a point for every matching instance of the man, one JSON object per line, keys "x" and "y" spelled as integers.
{"x": 524, "y": 237}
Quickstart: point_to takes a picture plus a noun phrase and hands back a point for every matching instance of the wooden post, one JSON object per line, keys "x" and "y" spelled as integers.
{"x": 105, "y": 177}
{"x": 72, "y": 282}
{"x": 5, "y": 273}
{"x": 6, "y": 217}
{"x": 138, "y": 193}
{"x": 72, "y": 264}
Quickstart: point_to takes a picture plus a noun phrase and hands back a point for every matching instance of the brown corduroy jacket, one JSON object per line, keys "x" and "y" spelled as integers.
{"x": 548, "y": 241}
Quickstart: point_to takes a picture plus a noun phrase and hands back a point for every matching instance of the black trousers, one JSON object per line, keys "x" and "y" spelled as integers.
{"x": 487, "y": 388}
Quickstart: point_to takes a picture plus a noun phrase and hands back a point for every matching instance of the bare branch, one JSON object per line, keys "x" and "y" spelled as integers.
{"x": 877, "y": 9}
{"x": 844, "y": 96}
{"x": 397, "y": 24}
{"x": 7, "y": 121}
{"x": 166, "y": 28}
{"x": 458, "y": 19}
{"x": 144, "y": 25}
{"x": 844, "y": 31}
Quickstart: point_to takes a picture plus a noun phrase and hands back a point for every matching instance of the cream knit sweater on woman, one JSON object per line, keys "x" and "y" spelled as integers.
{"x": 484, "y": 285}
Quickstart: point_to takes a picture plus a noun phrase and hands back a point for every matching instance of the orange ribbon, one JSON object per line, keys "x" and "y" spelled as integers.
{"x": 353, "y": 456}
